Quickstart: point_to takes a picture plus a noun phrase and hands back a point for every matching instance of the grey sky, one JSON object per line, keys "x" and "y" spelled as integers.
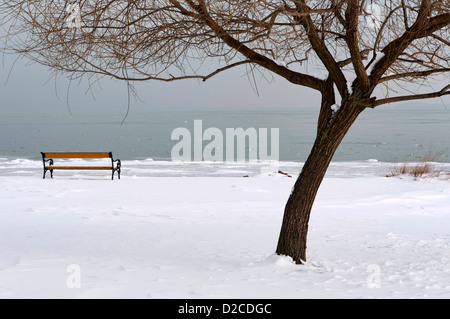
{"x": 31, "y": 88}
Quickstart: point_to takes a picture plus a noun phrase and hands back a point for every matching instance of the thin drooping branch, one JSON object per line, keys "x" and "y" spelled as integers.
{"x": 416, "y": 74}
{"x": 414, "y": 97}
{"x": 205, "y": 78}
{"x": 446, "y": 42}
{"x": 348, "y": 61}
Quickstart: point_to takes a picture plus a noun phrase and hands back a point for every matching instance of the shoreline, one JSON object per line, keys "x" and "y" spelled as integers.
{"x": 155, "y": 168}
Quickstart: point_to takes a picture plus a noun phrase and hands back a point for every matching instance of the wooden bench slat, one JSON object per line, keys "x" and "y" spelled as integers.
{"x": 77, "y": 155}
{"x": 81, "y": 168}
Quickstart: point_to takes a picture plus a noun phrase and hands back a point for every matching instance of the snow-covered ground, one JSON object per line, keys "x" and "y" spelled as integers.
{"x": 168, "y": 230}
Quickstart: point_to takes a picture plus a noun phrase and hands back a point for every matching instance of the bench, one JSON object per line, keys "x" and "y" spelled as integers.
{"x": 48, "y": 160}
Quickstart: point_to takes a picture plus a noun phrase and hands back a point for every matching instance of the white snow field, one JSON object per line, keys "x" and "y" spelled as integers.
{"x": 191, "y": 231}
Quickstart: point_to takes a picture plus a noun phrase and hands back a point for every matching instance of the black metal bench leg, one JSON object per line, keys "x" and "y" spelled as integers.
{"x": 118, "y": 173}
{"x": 45, "y": 172}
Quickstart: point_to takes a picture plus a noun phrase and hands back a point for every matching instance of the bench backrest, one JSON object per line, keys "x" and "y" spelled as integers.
{"x": 77, "y": 155}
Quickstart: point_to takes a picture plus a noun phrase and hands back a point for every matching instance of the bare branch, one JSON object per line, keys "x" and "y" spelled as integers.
{"x": 351, "y": 17}
{"x": 423, "y": 26}
{"x": 294, "y": 13}
{"x": 225, "y": 68}
{"x": 321, "y": 50}
{"x": 417, "y": 74}
{"x": 171, "y": 40}
{"x": 294, "y": 77}
{"x": 443, "y": 92}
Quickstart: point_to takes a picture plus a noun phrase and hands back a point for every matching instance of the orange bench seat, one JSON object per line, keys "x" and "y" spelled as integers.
{"x": 49, "y": 157}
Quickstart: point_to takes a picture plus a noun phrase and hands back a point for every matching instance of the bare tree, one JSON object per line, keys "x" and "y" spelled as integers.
{"x": 348, "y": 50}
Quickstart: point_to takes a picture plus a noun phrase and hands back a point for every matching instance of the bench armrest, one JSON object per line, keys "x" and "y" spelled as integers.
{"x": 119, "y": 163}
{"x": 50, "y": 161}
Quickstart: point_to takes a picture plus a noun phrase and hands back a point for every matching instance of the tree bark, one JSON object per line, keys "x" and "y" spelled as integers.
{"x": 332, "y": 128}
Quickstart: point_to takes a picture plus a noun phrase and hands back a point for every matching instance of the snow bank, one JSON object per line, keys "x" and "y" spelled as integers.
{"x": 214, "y": 236}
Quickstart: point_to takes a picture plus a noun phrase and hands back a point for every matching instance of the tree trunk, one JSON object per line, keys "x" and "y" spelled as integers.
{"x": 333, "y": 126}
